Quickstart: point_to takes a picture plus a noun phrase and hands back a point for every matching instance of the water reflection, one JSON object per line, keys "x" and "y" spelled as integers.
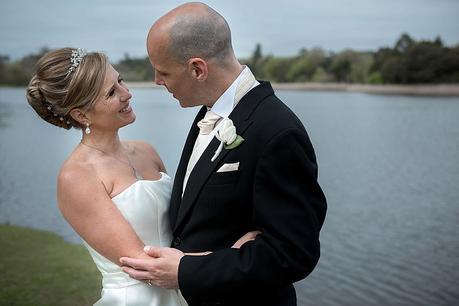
{"x": 5, "y": 113}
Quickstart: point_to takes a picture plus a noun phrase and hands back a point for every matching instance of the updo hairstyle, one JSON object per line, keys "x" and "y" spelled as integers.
{"x": 55, "y": 89}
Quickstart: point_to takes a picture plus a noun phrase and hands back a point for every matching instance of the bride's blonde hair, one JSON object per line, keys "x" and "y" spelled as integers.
{"x": 54, "y": 90}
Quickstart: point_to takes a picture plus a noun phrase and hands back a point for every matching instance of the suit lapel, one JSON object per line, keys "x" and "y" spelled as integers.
{"x": 204, "y": 167}
{"x": 176, "y": 196}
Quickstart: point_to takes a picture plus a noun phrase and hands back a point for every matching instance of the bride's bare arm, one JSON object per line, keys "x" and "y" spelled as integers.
{"x": 249, "y": 236}
{"x": 85, "y": 204}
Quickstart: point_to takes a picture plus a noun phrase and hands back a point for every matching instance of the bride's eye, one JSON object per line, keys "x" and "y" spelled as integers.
{"x": 112, "y": 92}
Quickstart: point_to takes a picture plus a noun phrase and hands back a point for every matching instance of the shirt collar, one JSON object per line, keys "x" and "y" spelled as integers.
{"x": 224, "y": 105}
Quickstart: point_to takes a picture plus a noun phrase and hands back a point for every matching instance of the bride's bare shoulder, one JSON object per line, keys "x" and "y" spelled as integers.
{"x": 141, "y": 147}
{"x": 74, "y": 170}
{"x": 146, "y": 151}
{"x": 83, "y": 160}
{"x": 78, "y": 185}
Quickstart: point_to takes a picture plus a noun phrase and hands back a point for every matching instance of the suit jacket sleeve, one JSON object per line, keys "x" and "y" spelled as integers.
{"x": 288, "y": 207}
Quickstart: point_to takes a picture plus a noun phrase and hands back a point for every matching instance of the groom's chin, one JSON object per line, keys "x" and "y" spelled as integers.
{"x": 191, "y": 103}
{"x": 184, "y": 104}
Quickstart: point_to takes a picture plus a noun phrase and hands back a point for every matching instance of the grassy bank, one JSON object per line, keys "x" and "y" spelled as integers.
{"x": 39, "y": 268}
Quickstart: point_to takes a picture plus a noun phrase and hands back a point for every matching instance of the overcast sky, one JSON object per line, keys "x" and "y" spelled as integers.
{"x": 282, "y": 27}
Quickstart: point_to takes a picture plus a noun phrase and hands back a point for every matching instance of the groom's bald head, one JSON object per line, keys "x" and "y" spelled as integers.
{"x": 192, "y": 30}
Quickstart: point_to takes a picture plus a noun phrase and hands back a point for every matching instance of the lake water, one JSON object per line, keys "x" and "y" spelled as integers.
{"x": 389, "y": 166}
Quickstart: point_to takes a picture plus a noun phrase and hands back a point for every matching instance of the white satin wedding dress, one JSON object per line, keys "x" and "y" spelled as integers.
{"x": 144, "y": 204}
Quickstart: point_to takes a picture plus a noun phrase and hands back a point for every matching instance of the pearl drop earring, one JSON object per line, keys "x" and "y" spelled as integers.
{"x": 87, "y": 130}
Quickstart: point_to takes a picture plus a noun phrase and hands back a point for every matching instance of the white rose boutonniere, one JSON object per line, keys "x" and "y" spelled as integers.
{"x": 227, "y": 135}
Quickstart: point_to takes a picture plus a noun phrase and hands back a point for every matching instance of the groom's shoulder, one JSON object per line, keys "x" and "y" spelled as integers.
{"x": 273, "y": 114}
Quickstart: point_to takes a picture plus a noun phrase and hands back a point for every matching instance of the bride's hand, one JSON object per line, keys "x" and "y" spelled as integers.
{"x": 247, "y": 237}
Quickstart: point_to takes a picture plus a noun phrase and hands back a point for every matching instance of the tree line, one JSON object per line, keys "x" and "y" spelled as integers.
{"x": 407, "y": 62}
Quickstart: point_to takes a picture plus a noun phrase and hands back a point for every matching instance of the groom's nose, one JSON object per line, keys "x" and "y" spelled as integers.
{"x": 159, "y": 80}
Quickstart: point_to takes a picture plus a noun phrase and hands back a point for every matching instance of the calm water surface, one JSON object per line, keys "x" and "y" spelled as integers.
{"x": 389, "y": 166}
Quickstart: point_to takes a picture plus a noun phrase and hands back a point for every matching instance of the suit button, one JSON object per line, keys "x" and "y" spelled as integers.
{"x": 177, "y": 241}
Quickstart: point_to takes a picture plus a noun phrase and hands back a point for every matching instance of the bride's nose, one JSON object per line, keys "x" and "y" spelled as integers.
{"x": 125, "y": 94}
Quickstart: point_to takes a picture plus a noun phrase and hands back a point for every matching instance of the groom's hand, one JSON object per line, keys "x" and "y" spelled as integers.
{"x": 161, "y": 269}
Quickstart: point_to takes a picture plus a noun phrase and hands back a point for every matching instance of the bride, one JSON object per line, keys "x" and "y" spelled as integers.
{"x": 114, "y": 193}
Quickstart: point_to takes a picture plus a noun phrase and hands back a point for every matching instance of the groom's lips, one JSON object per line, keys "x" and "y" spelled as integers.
{"x": 170, "y": 91}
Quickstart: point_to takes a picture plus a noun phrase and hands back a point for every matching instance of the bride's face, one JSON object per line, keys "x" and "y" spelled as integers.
{"x": 113, "y": 109}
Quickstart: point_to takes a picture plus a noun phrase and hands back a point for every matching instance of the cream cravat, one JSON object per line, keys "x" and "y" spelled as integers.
{"x": 206, "y": 125}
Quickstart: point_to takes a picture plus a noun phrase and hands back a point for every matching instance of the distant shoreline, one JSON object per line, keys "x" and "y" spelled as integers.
{"x": 445, "y": 90}
{"x": 436, "y": 90}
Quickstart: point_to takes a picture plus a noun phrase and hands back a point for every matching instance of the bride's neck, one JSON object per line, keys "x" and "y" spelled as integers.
{"x": 107, "y": 142}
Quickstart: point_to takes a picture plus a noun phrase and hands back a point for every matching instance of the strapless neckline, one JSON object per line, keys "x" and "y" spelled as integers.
{"x": 163, "y": 175}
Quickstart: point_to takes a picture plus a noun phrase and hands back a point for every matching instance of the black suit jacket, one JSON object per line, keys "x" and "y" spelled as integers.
{"x": 275, "y": 190}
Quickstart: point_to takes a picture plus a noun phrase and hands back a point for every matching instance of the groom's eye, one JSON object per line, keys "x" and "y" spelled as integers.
{"x": 163, "y": 74}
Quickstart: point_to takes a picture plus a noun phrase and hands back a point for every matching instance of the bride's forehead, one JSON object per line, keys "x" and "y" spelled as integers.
{"x": 111, "y": 75}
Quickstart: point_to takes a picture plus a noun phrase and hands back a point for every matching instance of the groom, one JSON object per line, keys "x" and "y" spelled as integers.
{"x": 263, "y": 179}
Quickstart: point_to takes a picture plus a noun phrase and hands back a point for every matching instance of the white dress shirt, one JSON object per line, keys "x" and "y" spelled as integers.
{"x": 222, "y": 107}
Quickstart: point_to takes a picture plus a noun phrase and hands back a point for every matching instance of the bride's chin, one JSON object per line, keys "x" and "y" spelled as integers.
{"x": 126, "y": 123}
{"x": 132, "y": 120}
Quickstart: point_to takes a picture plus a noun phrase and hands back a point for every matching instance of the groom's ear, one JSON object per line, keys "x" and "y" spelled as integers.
{"x": 198, "y": 68}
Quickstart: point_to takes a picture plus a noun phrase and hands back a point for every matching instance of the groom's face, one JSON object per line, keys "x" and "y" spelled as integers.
{"x": 176, "y": 78}
{"x": 169, "y": 72}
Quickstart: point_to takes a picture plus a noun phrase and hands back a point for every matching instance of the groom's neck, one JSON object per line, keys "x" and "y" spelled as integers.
{"x": 222, "y": 78}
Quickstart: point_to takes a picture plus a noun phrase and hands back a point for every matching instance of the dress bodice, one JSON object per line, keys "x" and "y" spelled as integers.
{"x": 144, "y": 204}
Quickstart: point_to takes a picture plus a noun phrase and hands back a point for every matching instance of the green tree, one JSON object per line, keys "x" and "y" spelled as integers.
{"x": 403, "y": 43}
{"x": 304, "y": 66}
{"x": 414, "y": 62}
{"x": 4, "y": 60}
{"x": 256, "y": 61}
{"x": 341, "y": 68}
{"x": 135, "y": 69}
{"x": 320, "y": 75}
{"x": 428, "y": 62}
{"x": 16, "y": 75}
{"x": 386, "y": 62}
{"x": 301, "y": 70}
{"x": 19, "y": 73}
{"x": 275, "y": 68}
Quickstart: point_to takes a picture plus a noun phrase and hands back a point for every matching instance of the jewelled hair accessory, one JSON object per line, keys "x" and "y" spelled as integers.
{"x": 51, "y": 110}
{"x": 76, "y": 58}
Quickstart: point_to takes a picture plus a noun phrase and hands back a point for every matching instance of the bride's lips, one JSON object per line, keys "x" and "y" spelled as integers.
{"x": 126, "y": 109}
